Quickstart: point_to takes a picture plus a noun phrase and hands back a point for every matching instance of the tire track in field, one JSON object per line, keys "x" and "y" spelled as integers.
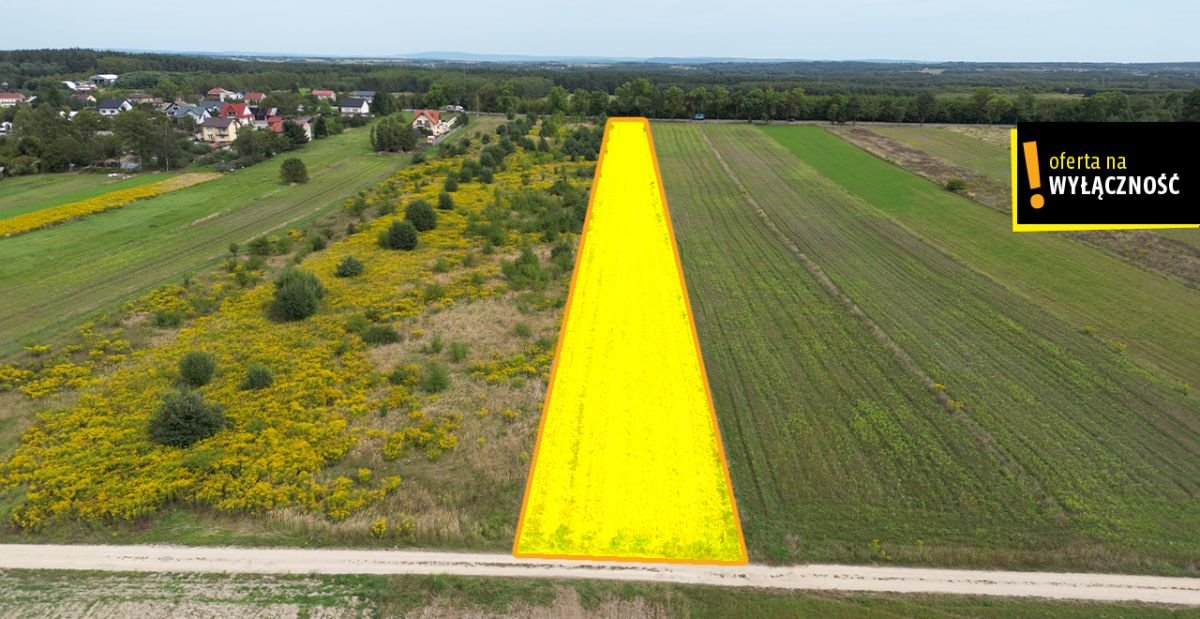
{"x": 980, "y": 433}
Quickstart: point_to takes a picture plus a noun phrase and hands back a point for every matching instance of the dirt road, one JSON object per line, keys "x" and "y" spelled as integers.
{"x": 1096, "y": 587}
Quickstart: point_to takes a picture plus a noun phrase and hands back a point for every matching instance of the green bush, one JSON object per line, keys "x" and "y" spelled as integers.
{"x": 349, "y": 267}
{"x": 298, "y": 294}
{"x": 168, "y": 319}
{"x": 196, "y": 368}
{"x": 526, "y": 271}
{"x": 421, "y": 214}
{"x": 293, "y": 171}
{"x": 401, "y": 235}
{"x": 451, "y": 184}
{"x": 522, "y": 330}
{"x": 956, "y": 185}
{"x": 404, "y": 375}
{"x": 258, "y": 377}
{"x": 435, "y": 378}
{"x": 184, "y": 418}
{"x": 445, "y": 202}
{"x": 458, "y": 351}
{"x": 380, "y": 334}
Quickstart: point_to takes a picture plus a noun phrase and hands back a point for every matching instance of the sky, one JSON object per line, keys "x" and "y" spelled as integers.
{"x": 999, "y": 30}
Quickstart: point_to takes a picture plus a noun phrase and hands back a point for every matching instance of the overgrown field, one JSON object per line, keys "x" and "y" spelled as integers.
{"x": 46, "y": 593}
{"x": 884, "y": 397}
{"x": 978, "y": 157}
{"x": 24, "y": 194}
{"x": 401, "y": 412}
{"x": 57, "y": 276}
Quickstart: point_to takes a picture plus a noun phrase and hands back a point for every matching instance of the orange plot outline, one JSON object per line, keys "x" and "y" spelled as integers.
{"x": 744, "y": 559}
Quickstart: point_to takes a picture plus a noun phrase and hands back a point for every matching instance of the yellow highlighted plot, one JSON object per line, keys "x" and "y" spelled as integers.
{"x": 629, "y": 463}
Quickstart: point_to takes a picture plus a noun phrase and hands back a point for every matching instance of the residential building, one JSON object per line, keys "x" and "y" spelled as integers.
{"x": 112, "y": 107}
{"x": 426, "y": 120}
{"x": 195, "y": 112}
{"x": 275, "y": 123}
{"x": 239, "y": 111}
{"x": 83, "y": 98}
{"x": 11, "y": 99}
{"x": 220, "y": 131}
{"x": 363, "y": 94}
{"x": 354, "y": 107}
{"x": 101, "y": 80}
{"x": 220, "y": 94}
{"x": 327, "y": 95}
{"x": 253, "y": 98}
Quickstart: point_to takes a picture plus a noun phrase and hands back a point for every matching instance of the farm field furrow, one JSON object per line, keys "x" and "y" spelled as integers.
{"x": 1092, "y": 290}
{"x": 628, "y": 462}
{"x": 1098, "y": 447}
{"x": 106, "y": 258}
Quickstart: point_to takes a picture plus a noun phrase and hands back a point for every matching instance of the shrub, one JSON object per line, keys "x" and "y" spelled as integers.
{"x": 421, "y": 214}
{"x": 434, "y": 291}
{"x": 298, "y": 293}
{"x": 401, "y": 235}
{"x": 349, "y": 267}
{"x": 526, "y": 271}
{"x": 522, "y": 330}
{"x": 258, "y": 377}
{"x": 435, "y": 345}
{"x": 168, "y": 319}
{"x": 458, "y": 351}
{"x": 435, "y": 378}
{"x": 956, "y": 185}
{"x": 407, "y": 374}
{"x": 184, "y": 418}
{"x": 196, "y": 368}
{"x": 293, "y": 171}
{"x": 451, "y": 184}
{"x": 486, "y": 176}
{"x": 380, "y": 334}
{"x": 445, "y": 202}
{"x": 317, "y": 243}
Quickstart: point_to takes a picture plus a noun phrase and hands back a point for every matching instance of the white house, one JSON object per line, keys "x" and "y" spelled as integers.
{"x": 426, "y": 120}
{"x": 112, "y": 107}
{"x": 327, "y": 95}
{"x": 220, "y": 94}
{"x": 354, "y": 107}
{"x": 11, "y": 99}
{"x": 103, "y": 79}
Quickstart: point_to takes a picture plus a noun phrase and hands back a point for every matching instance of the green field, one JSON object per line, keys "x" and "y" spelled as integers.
{"x": 54, "y": 277}
{"x": 26, "y": 593}
{"x": 26, "y": 194}
{"x": 914, "y": 398}
{"x": 1086, "y": 287}
{"x": 987, "y": 159}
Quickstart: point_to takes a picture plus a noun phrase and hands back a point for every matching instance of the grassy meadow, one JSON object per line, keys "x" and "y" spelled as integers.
{"x": 58, "y": 276}
{"x": 25, "y": 194}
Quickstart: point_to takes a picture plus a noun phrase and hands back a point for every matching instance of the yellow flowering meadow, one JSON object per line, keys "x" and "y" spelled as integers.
{"x": 95, "y": 460}
{"x": 28, "y": 222}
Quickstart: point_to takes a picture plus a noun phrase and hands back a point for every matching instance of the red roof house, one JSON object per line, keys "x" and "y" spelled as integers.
{"x": 426, "y": 119}
{"x": 254, "y": 97}
{"x": 236, "y": 110}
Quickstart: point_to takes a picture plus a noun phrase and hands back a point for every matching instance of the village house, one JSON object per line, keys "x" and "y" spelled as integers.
{"x": 426, "y": 120}
{"x": 363, "y": 94}
{"x": 112, "y": 107}
{"x": 240, "y": 111}
{"x": 220, "y": 94}
{"x": 354, "y": 107}
{"x": 11, "y": 99}
{"x": 253, "y": 98}
{"x": 213, "y": 107}
{"x": 275, "y": 124}
{"x": 195, "y": 112}
{"x": 327, "y": 95}
{"x": 101, "y": 80}
{"x": 220, "y": 131}
{"x": 83, "y": 98}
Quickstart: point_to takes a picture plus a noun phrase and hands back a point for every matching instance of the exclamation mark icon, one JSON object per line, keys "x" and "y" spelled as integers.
{"x": 1034, "y": 173}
